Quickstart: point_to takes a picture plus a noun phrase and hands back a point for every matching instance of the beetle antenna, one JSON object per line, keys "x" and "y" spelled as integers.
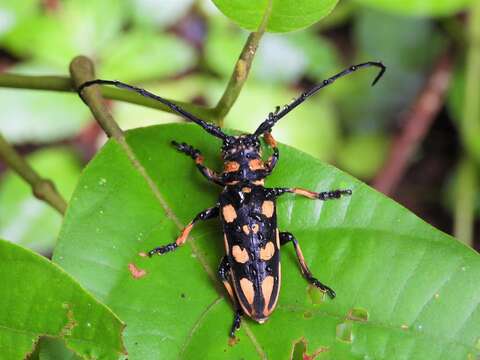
{"x": 210, "y": 128}
{"x": 272, "y": 118}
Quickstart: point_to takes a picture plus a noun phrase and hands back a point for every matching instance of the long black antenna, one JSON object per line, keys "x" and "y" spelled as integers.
{"x": 272, "y": 119}
{"x": 212, "y": 129}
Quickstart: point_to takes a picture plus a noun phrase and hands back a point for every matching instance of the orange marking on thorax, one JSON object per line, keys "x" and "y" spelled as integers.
{"x": 256, "y": 164}
{"x": 231, "y": 166}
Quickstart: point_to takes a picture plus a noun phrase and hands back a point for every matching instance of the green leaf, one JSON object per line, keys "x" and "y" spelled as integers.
{"x": 404, "y": 289}
{"x": 26, "y": 220}
{"x": 78, "y": 27}
{"x": 159, "y": 13}
{"x": 418, "y": 7}
{"x": 285, "y": 15}
{"x": 135, "y": 56}
{"x": 40, "y": 299}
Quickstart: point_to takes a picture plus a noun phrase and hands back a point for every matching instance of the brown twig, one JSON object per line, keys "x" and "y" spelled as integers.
{"x": 242, "y": 68}
{"x": 42, "y": 188}
{"x": 417, "y": 124}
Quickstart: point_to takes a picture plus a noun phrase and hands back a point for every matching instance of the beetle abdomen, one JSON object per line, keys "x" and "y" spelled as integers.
{"x": 252, "y": 246}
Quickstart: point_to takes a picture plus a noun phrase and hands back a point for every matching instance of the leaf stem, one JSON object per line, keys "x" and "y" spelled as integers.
{"x": 63, "y": 83}
{"x": 241, "y": 69}
{"x": 43, "y": 189}
{"x": 470, "y": 121}
{"x": 465, "y": 193}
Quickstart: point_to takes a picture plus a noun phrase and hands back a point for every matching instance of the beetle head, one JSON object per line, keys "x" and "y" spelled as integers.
{"x": 242, "y": 158}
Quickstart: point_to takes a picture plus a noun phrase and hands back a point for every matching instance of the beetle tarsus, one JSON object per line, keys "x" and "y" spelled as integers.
{"x": 237, "y": 320}
{"x": 334, "y": 194}
{"x": 163, "y": 249}
{"x": 331, "y": 293}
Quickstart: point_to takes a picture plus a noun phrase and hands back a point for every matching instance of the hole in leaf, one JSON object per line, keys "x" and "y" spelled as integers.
{"x": 299, "y": 351}
{"x": 344, "y": 331}
{"x": 358, "y": 314}
{"x": 315, "y": 295}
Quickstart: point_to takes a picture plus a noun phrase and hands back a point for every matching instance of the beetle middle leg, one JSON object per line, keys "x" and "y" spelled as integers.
{"x": 286, "y": 237}
{"x": 207, "y": 214}
{"x": 196, "y": 155}
{"x": 223, "y": 274}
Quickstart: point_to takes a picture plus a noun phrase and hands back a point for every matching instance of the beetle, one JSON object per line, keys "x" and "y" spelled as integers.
{"x": 250, "y": 269}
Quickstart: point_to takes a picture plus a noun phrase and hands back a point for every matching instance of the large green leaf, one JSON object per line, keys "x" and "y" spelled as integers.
{"x": 419, "y": 7}
{"x": 404, "y": 289}
{"x": 40, "y": 299}
{"x": 285, "y": 15}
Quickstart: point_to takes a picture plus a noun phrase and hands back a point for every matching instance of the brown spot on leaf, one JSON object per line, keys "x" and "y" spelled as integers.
{"x": 136, "y": 272}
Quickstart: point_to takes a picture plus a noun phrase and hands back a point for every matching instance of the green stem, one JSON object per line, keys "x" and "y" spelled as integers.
{"x": 43, "y": 189}
{"x": 62, "y": 83}
{"x": 242, "y": 69}
{"x": 470, "y": 122}
{"x": 467, "y": 185}
{"x": 81, "y": 70}
{"x": 465, "y": 195}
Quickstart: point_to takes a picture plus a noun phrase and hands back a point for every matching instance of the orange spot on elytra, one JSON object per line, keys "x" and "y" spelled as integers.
{"x": 229, "y": 213}
{"x": 136, "y": 272}
{"x": 267, "y": 208}
{"x": 267, "y": 252}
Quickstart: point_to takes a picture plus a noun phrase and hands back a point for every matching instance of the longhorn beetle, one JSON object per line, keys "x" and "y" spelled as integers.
{"x": 250, "y": 270}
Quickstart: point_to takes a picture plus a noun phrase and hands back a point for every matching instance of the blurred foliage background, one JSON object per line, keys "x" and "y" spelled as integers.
{"x": 415, "y": 135}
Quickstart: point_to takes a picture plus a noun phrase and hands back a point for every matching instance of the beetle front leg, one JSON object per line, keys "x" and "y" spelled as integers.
{"x": 272, "y": 160}
{"x": 196, "y": 155}
{"x": 223, "y": 274}
{"x": 325, "y": 195}
{"x": 286, "y": 237}
{"x": 207, "y": 214}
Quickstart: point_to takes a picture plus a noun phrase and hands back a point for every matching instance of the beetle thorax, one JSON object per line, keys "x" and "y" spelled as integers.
{"x": 243, "y": 162}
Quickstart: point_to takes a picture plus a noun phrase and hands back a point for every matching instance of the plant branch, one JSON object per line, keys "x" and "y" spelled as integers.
{"x": 63, "y": 83}
{"x": 417, "y": 124}
{"x": 42, "y": 188}
{"x": 470, "y": 121}
{"x": 465, "y": 194}
{"x": 242, "y": 68}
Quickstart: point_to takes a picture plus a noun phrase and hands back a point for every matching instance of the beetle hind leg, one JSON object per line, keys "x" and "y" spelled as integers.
{"x": 286, "y": 237}
{"x": 223, "y": 274}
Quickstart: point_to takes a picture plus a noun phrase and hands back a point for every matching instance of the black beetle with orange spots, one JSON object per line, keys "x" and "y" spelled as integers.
{"x": 250, "y": 270}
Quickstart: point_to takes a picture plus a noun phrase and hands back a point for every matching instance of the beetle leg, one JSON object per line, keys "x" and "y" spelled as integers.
{"x": 286, "y": 237}
{"x": 197, "y": 156}
{"x": 207, "y": 214}
{"x": 272, "y": 160}
{"x": 223, "y": 274}
{"x": 325, "y": 195}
